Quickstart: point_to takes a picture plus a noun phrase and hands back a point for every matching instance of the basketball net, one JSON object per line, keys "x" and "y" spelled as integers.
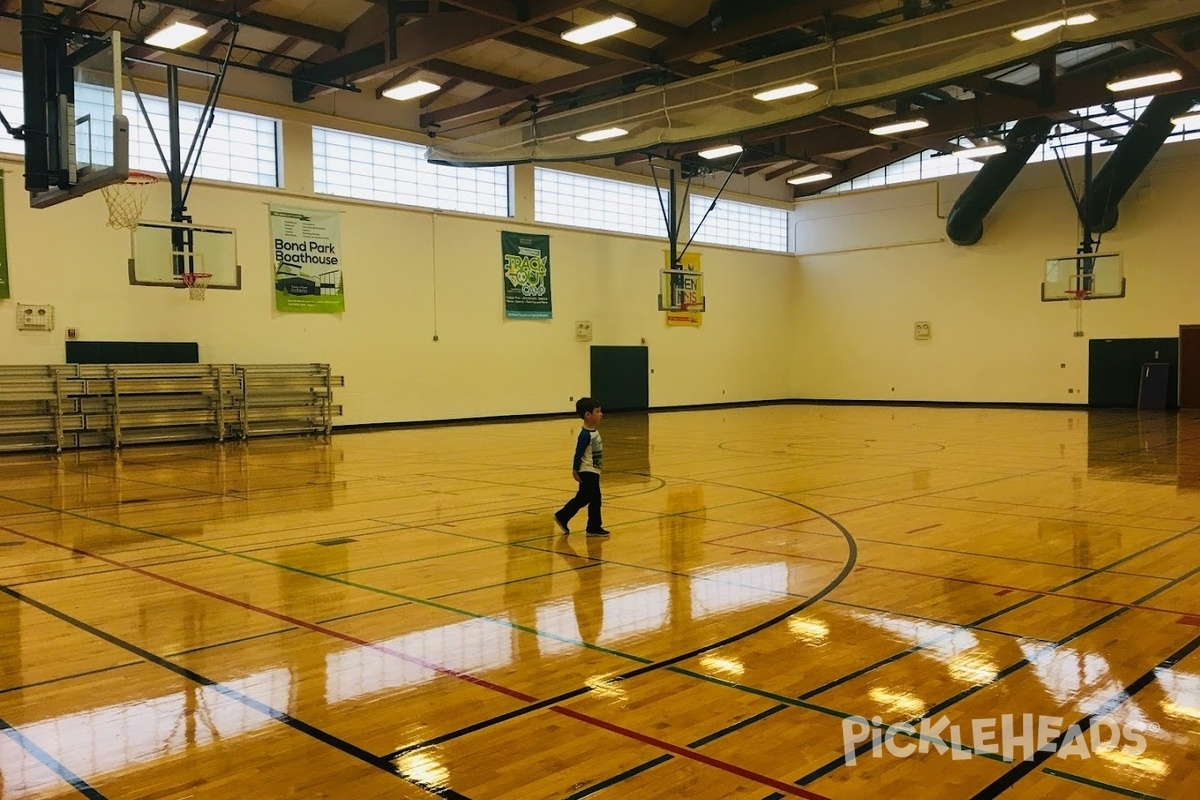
{"x": 1077, "y": 296}
{"x": 196, "y": 283}
{"x": 126, "y": 200}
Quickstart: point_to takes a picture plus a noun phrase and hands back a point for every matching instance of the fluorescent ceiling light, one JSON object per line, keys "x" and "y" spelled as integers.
{"x": 175, "y": 35}
{"x": 721, "y": 152}
{"x": 1191, "y": 116}
{"x": 599, "y": 136}
{"x": 1034, "y": 31}
{"x": 803, "y": 87}
{"x": 407, "y": 91}
{"x": 981, "y": 152}
{"x": 1142, "y": 81}
{"x": 599, "y": 30}
{"x": 900, "y": 127}
{"x": 812, "y": 177}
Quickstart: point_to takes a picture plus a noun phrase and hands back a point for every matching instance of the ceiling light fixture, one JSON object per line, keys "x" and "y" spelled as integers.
{"x": 1142, "y": 81}
{"x": 900, "y": 126}
{"x": 1034, "y": 31}
{"x": 601, "y": 135}
{"x": 1191, "y": 116}
{"x": 720, "y": 152}
{"x": 812, "y": 177}
{"x": 804, "y": 87}
{"x": 981, "y": 152}
{"x": 410, "y": 90}
{"x": 608, "y": 26}
{"x": 175, "y": 35}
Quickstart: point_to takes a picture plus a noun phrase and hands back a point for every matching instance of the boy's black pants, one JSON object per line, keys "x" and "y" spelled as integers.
{"x": 588, "y": 495}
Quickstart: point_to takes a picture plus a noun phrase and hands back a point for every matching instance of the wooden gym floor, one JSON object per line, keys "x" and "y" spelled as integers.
{"x": 392, "y": 614}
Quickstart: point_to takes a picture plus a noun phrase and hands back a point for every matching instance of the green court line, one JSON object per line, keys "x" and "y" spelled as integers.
{"x": 782, "y": 699}
{"x": 1108, "y": 787}
{"x": 351, "y": 584}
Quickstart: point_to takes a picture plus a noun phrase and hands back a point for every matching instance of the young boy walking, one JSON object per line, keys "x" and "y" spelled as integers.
{"x": 585, "y": 468}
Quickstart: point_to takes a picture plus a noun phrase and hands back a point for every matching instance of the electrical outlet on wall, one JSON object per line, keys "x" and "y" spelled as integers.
{"x": 35, "y": 318}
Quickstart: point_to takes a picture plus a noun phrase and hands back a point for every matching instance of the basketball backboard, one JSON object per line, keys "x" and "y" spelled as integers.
{"x": 86, "y": 146}
{"x": 1083, "y": 276}
{"x": 681, "y": 290}
{"x": 161, "y": 251}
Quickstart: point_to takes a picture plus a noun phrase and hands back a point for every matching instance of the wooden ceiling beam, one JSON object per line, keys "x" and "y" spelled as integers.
{"x": 255, "y": 19}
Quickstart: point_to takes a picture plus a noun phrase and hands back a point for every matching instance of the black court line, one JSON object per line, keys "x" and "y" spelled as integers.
{"x": 919, "y": 648}
{"x": 127, "y": 664}
{"x": 1001, "y": 612}
{"x": 77, "y": 783}
{"x": 279, "y": 716}
{"x": 847, "y": 568}
{"x": 747, "y": 633}
{"x": 1098, "y": 785}
{"x": 629, "y": 773}
{"x": 87, "y": 673}
{"x": 867, "y": 746}
{"x": 1006, "y": 781}
{"x": 659, "y": 665}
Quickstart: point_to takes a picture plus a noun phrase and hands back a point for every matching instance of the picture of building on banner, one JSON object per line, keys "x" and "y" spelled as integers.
{"x": 306, "y": 246}
{"x": 526, "y": 265}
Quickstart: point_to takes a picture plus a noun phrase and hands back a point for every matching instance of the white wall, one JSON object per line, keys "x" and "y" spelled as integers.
{"x": 397, "y": 261}
{"x": 993, "y": 339}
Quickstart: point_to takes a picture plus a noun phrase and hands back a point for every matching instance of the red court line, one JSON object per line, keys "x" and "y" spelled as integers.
{"x": 285, "y": 618}
{"x": 685, "y": 752}
{"x": 661, "y": 744}
{"x": 964, "y": 580}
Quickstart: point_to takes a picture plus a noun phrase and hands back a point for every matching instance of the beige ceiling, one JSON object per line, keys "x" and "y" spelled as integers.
{"x": 503, "y": 63}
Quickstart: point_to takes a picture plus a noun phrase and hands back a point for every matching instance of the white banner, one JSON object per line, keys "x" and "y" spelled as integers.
{"x": 306, "y": 247}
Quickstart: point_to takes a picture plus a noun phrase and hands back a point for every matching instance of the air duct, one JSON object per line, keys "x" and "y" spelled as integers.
{"x": 964, "y": 223}
{"x": 1130, "y": 158}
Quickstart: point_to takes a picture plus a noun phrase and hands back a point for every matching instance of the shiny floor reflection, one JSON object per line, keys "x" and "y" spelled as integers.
{"x": 796, "y": 601}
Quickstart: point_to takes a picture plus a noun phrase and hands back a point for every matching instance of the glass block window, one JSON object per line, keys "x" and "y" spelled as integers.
{"x": 388, "y": 171}
{"x": 239, "y": 148}
{"x": 12, "y": 104}
{"x": 581, "y": 201}
{"x": 739, "y": 224}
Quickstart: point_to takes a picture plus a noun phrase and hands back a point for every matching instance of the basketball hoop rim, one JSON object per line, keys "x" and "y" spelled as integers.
{"x": 1078, "y": 294}
{"x": 190, "y": 278}
{"x": 141, "y": 178}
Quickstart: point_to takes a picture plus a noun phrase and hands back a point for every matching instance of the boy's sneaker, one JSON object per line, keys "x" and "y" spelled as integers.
{"x": 597, "y": 532}
{"x": 562, "y": 526}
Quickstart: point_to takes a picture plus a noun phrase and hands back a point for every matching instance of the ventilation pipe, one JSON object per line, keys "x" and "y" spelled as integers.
{"x": 1131, "y": 157}
{"x": 964, "y": 223}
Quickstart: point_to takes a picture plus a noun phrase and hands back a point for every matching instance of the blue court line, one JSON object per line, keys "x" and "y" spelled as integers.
{"x": 164, "y": 536}
{"x": 77, "y": 783}
{"x": 279, "y": 716}
{"x": 918, "y": 648}
{"x": 866, "y": 747}
{"x": 1006, "y": 781}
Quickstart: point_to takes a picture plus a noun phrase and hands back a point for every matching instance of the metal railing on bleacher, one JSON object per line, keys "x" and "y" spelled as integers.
{"x": 67, "y": 406}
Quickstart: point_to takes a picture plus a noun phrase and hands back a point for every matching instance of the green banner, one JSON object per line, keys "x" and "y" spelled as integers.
{"x": 526, "y": 275}
{"x": 4, "y": 293}
{"x": 306, "y": 246}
